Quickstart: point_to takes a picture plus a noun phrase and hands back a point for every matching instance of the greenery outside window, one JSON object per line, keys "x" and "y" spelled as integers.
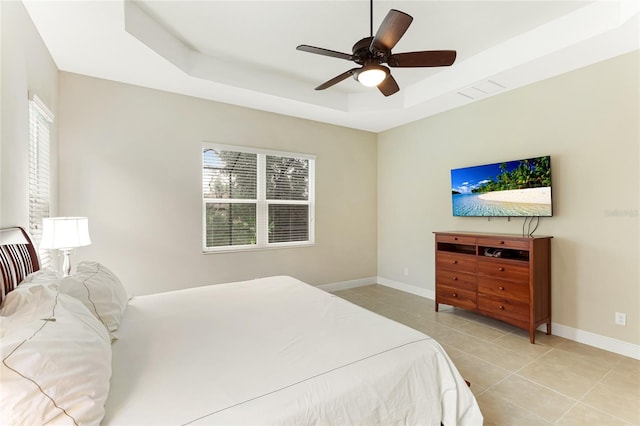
{"x": 254, "y": 199}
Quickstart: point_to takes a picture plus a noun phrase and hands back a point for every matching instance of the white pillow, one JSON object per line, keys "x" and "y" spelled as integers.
{"x": 43, "y": 276}
{"x": 56, "y": 362}
{"x": 18, "y": 300}
{"x": 26, "y": 295}
{"x": 100, "y": 291}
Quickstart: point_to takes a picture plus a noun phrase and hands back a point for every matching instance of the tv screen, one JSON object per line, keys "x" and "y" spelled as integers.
{"x": 511, "y": 188}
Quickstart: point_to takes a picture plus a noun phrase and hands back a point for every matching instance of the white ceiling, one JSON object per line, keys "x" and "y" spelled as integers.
{"x": 244, "y": 52}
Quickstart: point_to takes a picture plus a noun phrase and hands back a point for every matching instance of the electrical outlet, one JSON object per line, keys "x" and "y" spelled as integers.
{"x": 621, "y": 318}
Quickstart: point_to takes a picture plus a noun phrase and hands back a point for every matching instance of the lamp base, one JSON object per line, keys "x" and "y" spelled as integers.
{"x": 66, "y": 262}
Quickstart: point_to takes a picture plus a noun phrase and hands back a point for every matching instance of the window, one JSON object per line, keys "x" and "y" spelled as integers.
{"x": 40, "y": 119}
{"x": 256, "y": 198}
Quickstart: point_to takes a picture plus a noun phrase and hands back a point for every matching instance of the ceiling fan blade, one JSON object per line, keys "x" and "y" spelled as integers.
{"x": 325, "y": 52}
{"x": 337, "y": 79}
{"x": 389, "y": 86}
{"x": 426, "y": 58}
{"x": 391, "y": 30}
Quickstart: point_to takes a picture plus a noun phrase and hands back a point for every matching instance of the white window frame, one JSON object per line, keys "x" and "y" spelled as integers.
{"x": 40, "y": 119}
{"x": 261, "y": 201}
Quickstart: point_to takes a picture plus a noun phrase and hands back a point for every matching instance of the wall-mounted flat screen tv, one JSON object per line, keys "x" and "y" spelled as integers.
{"x": 511, "y": 188}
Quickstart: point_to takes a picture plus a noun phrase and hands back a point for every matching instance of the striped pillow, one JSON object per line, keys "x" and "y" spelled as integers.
{"x": 16, "y": 262}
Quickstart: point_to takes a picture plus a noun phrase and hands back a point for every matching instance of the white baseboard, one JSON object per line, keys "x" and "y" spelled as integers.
{"x": 344, "y": 285}
{"x": 408, "y": 288}
{"x": 596, "y": 340}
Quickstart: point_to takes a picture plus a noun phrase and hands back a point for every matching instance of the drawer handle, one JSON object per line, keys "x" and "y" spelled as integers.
{"x": 455, "y": 238}
{"x": 501, "y": 269}
{"x": 501, "y": 307}
{"x": 501, "y": 242}
{"x": 454, "y": 262}
{"x": 455, "y": 278}
{"x": 455, "y": 294}
{"x": 501, "y": 288}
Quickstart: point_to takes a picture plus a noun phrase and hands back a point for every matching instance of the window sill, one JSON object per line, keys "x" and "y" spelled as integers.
{"x": 246, "y": 249}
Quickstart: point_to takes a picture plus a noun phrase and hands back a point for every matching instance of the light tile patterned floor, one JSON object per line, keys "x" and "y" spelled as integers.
{"x": 554, "y": 382}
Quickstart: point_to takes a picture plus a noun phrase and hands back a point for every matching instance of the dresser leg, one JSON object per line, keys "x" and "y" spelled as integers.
{"x": 436, "y": 306}
{"x": 532, "y": 335}
{"x": 549, "y": 328}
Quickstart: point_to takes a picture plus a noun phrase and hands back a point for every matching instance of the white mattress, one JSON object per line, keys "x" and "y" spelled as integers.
{"x": 277, "y": 351}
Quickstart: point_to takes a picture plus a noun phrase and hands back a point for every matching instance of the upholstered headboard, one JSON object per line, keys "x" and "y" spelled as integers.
{"x": 18, "y": 258}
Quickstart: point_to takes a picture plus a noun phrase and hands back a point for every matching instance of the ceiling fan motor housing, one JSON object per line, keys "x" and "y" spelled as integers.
{"x": 362, "y": 52}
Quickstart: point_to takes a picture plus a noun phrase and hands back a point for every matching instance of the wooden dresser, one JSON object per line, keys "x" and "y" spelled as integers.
{"x": 503, "y": 276}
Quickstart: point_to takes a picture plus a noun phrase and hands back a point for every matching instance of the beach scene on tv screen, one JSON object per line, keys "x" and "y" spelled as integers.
{"x": 510, "y": 188}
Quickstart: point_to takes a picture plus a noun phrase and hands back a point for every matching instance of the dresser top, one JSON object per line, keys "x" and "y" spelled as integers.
{"x": 492, "y": 235}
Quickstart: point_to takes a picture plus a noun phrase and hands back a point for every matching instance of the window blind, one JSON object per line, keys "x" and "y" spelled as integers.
{"x": 287, "y": 181}
{"x": 256, "y": 199}
{"x": 229, "y": 175}
{"x": 40, "y": 119}
{"x": 287, "y": 178}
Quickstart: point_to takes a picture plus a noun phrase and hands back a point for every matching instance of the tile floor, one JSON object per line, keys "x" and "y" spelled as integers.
{"x": 554, "y": 382}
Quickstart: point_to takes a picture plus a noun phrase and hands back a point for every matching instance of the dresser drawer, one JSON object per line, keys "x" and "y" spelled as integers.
{"x": 456, "y": 279}
{"x": 455, "y": 297}
{"x": 457, "y": 261}
{"x": 504, "y": 269}
{"x": 504, "y": 309}
{"x": 504, "y": 243}
{"x": 456, "y": 239}
{"x": 512, "y": 290}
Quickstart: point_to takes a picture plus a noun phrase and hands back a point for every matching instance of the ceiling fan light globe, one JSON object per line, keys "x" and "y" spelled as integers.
{"x": 372, "y": 76}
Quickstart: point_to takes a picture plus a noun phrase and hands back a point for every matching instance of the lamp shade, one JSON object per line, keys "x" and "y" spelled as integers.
{"x": 371, "y": 74}
{"x": 65, "y": 232}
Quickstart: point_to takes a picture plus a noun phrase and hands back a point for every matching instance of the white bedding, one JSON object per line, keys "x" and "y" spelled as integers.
{"x": 277, "y": 351}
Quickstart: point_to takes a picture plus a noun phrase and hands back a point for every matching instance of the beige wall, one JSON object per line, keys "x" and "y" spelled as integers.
{"x": 588, "y": 121}
{"x": 26, "y": 68}
{"x": 130, "y": 161}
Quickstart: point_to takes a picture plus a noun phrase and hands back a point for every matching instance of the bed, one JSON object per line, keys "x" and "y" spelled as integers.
{"x": 269, "y": 351}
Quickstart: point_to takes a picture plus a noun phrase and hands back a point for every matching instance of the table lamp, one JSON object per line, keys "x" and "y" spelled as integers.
{"x": 65, "y": 233}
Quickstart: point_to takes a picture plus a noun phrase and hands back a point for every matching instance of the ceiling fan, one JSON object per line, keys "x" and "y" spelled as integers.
{"x": 371, "y": 52}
